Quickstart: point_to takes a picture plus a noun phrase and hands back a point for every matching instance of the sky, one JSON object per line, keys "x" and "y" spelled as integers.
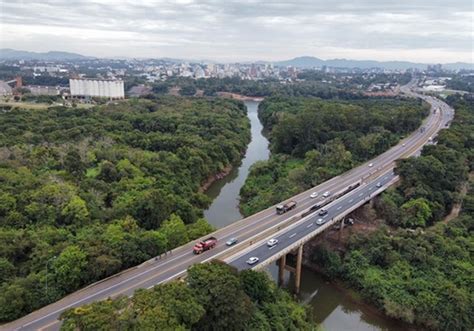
{"x": 429, "y": 31}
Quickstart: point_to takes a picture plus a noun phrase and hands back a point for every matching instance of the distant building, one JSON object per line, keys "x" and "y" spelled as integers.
{"x": 44, "y": 90}
{"x": 5, "y": 89}
{"x": 104, "y": 88}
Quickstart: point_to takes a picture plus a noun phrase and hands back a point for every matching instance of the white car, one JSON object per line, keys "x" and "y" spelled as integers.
{"x": 326, "y": 194}
{"x": 272, "y": 242}
{"x": 320, "y": 221}
{"x": 252, "y": 260}
{"x": 371, "y": 164}
{"x": 313, "y": 195}
{"x": 379, "y": 184}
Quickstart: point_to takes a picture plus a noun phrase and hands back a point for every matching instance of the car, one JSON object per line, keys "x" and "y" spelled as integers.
{"x": 371, "y": 164}
{"x": 252, "y": 260}
{"x": 326, "y": 194}
{"x": 323, "y": 212}
{"x": 403, "y": 145}
{"x": 231, "y": 241}
{"x": 272, "y": 242}
{"x": 313, "y": 195}
{"x": 379, "y": 184}
{"x": 320, "y": 221}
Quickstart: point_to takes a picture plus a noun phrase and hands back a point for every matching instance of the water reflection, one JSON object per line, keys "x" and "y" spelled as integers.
{"x": 330, "y": 306}
{"x": 225, "y": 192}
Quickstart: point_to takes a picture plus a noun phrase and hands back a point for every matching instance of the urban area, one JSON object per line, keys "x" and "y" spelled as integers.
{"x": 236, "y": 165}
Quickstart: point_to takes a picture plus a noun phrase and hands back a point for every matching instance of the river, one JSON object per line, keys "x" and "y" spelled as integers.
{"x": 330, "y": 306}
{"x": 225, "y": 192}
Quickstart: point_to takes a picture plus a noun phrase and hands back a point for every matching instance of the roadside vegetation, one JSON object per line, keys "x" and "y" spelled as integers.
{"x": 214, "y": 297}
{"x": 418, "y": 268}
{"x": 87, "y": 193}
{"x": 313, "y": 140}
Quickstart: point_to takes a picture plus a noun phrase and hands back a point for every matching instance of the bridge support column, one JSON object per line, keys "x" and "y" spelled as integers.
{"x": 299, "y": 261}
{"x": 281, "y": 270}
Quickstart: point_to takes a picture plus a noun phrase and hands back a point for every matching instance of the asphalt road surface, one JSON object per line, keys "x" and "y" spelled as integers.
{"x": 174, "y": 264}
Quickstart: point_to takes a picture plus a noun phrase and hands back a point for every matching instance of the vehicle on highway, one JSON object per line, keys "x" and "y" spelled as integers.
{"x": 323, "y": 212}
{"x": 272, "y": 242}
{"x": 231, "y": 241}
{"x": 326, "y": 194}
{"x": 281, "y": 209}
{"x": 252, "y": 260}
{"x": 379, "y": 184}
{"x": 205, "y": 245}
{"x": 403, "y": 145}
{"x": 371, "y": 164}
{"x": 320, "y": 221}
{"x": 313, "y": 195}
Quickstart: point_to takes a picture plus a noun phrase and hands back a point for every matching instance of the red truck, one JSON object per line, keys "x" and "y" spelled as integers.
{"x": 205, "y": 245}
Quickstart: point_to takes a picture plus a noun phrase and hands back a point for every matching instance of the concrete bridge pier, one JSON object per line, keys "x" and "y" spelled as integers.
{"x": 281, "y": 270}
{"x": 282, "y": 266}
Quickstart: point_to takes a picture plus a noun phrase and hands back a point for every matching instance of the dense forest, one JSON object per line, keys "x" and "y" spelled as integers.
{"x": 87, "y": 193}
{"x": 461, "y": 82}
{"x": 313, "y": 140}
{"x": 309, "y": 84}
{"x": 419, "y": 268}
{"x": 214, "y": 297}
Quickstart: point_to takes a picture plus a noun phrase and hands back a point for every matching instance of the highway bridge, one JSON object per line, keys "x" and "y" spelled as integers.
{"x": 291, "y": 229}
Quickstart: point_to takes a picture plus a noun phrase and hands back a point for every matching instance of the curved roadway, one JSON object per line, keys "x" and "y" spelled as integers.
{"x": 251, "y": 232}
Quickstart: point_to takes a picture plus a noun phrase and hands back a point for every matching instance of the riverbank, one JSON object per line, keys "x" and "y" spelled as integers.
{"x": 349, "y": 299}
{"x": 224, "y": 190}
{"x": 213, "y": 178}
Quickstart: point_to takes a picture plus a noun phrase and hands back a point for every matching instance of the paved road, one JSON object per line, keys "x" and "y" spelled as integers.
{"x": 247, "y": 230}
{"x": 307, "y": 226}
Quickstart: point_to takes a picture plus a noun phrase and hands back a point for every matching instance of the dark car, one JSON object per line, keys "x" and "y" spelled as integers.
{"x": 323, "y": 212}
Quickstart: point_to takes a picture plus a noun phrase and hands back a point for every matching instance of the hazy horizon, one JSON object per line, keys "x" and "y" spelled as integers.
{"x": 426, "y": 32}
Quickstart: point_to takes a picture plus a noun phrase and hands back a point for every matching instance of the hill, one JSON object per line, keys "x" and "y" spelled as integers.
{"x": 311, "y": 62}
{"x": 12, "y": 54}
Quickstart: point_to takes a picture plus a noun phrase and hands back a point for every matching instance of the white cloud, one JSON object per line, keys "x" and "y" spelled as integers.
{"x": 231, "y": 30}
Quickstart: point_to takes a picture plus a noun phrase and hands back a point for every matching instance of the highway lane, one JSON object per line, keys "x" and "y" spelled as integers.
{"x": 308, "y": 225}
{"x": 172, "y": 266}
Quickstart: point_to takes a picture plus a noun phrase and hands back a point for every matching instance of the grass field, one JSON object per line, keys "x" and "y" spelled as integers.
{"x": 34, "y": 105}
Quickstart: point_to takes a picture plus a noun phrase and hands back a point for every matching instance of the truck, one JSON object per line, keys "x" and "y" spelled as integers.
{"x": 205, "y": 245}
{"x": 281, "y": 209}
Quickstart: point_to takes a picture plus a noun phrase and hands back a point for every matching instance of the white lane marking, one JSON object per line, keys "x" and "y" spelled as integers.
{"x": 350, "y": 201}
{"x": 339, "y": 208}
{"x": 137, "y": 275}
{"x": 361, "y": 194}
{"x": 294, "y": 234}
{"x": 272, "y": 247}
{"x": 309, "y": 225}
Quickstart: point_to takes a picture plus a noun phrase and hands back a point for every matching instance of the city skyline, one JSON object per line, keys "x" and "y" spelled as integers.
{"x": 428, "y": 31}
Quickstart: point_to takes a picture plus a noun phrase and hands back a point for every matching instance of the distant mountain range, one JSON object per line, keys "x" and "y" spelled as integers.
{"x": 312, "y": 62}
{"x": 301, "y": 62}
{"x": 12, "y": 54}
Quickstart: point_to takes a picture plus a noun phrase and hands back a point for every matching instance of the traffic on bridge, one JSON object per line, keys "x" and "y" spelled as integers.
{"x": 262, "y": 238}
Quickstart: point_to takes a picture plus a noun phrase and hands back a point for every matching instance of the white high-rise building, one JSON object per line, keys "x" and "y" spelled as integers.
{"x": 104, "y": 88}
